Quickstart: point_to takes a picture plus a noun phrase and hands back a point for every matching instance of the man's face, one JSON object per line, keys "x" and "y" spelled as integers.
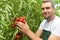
{"x": 47, "y": 10}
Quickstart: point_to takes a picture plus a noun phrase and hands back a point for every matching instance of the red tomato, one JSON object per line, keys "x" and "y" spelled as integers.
{"x": 17, "y": 36}
{"x": 16, "y": 22}
{"x": 23, "y": 21}
{"x": 12, "y": 25}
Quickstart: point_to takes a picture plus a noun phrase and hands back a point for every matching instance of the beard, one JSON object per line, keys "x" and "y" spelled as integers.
{"x": 47, "y": 17}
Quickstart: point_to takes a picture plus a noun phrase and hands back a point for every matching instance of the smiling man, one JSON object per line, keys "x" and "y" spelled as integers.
{"x": 49, "y": 29}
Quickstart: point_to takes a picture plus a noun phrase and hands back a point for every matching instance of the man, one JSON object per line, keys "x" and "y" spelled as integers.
{"x": 49, "y": 28}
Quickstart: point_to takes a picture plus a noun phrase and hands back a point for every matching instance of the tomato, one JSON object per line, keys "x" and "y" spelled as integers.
{"x": 12, "y": 25}
{"x": 15, "y": 22}
{"x": 22, "y": 19}
{"x": 17, "y": 36}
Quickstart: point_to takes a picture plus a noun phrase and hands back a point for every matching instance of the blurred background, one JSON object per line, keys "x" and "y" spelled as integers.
{"x": 30, "y": 9}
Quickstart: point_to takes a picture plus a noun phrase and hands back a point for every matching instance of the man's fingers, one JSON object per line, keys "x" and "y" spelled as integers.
{"x": 19, "y": 29}
{"x": 20, "y": 26}
{"x": 20, "y": 23}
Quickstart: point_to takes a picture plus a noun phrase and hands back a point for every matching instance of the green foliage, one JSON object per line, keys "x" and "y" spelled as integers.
{"x": 30, "y": 9}
{"x": 57, "y": 7}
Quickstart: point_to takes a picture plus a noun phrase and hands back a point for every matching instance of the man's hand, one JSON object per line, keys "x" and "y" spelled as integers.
{"x": 26, "y": 30}
{"x": 23, "y": 27}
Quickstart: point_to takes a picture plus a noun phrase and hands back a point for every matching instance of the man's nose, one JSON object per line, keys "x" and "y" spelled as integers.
{"x": 45, "y": 10}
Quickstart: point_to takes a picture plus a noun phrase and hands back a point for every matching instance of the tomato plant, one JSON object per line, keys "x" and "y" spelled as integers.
{"x": 12, "y": 10}
{"x": 10, "y": 13}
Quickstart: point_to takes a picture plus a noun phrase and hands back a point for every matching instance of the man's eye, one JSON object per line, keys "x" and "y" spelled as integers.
{"x": 47, "y": 7}
{"x": 42, "y": 8}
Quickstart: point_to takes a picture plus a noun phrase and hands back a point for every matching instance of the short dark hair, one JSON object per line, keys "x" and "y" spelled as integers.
{"x": 44, "y": 1}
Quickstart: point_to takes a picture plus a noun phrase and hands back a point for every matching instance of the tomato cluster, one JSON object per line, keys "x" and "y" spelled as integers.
{"x": 19, "y": 19}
